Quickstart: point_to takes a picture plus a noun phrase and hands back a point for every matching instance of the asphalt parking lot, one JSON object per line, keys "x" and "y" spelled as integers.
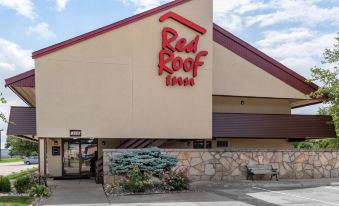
{"x": 9, "y": 168}
{"x": 262, "y": 194}
{"x": 320, "y": 196}
{"x": 322, "y": 192}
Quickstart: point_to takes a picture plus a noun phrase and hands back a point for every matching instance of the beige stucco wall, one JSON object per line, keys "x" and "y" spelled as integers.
{"x": 109, "y": 144}
{"x": 54, "y": 163}
{"x": 251, "y": 105}
{"x": 42, "y": 156}
{"x": 109, "y": 86}
{"x": 235, "y": 76}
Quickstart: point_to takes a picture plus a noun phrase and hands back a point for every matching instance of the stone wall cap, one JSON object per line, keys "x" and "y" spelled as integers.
{"x": 229, "y": 150}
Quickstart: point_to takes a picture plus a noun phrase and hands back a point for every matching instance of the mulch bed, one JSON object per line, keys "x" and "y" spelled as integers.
{"x": 121, "y": 192}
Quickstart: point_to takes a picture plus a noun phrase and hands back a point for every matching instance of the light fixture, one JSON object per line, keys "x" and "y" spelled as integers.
{"x": 242, "y": 102}
{"x": 56, "y": 142}
{"x": 103, "y": 143}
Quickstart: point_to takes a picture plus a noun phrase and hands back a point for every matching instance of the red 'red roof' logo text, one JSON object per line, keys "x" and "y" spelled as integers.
{"x": 170, "y": 63}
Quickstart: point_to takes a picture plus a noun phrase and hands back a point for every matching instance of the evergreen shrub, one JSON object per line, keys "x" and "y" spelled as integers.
{"x": 149, "y": 160}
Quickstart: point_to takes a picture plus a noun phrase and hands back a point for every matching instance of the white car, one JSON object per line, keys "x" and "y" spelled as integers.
{"x": 31, "y": 160}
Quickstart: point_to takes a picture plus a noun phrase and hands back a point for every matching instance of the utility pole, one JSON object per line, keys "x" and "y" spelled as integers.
{"x": 0, "y": 142}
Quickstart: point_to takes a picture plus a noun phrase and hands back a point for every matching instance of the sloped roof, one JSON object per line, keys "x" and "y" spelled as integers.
{"x": 107, "y": 28}
{"x": 25, "y": 79}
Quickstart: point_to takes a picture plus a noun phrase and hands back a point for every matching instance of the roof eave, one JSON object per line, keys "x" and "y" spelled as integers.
{"x": 107, "y": 28}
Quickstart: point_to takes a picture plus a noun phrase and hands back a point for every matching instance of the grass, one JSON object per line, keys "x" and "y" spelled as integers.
{"x": 15, "y": 200}
{"x": 16, "y": 175}
{"x": 8, "y": 159}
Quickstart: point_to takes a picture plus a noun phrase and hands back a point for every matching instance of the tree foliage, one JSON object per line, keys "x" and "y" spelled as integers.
{"x": 149, "y": 160}
{"x": 18, "y": 146}
{"x": 2, "y": 115}
{"x": 328, "y": 76}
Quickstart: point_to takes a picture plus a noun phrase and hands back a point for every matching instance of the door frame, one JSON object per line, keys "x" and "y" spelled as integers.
{"x": 80, "y": 159}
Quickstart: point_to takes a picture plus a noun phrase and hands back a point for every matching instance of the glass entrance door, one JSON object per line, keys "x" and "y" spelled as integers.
{"x": 88, "y": 156}
{"x": 79, "y": 157}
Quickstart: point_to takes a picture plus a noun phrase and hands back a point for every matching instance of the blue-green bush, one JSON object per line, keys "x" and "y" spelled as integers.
{"x": 149, "y": 160}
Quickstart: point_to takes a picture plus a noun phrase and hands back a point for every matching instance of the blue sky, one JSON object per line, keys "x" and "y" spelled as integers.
{"x": 295, "y": 32}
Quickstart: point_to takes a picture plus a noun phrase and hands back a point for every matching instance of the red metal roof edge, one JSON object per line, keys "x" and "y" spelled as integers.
{"x": 247, "y": 46}
{"x": 107, "y": 28}
{"x": 19, "y": 77}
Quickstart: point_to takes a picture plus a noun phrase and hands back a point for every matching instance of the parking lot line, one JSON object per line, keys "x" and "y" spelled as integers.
{"x": 332, "y": 188}
{"x": 296, "y": 196}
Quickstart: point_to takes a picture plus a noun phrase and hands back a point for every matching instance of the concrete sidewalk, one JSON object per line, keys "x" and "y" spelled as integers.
{"x": 76, "y": 192}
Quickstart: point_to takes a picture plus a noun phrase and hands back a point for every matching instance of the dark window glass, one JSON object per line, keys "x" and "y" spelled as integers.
{"x": 222, "y": 143}
{"x": 198, "y": 144}
{"x": 208, "y": 144}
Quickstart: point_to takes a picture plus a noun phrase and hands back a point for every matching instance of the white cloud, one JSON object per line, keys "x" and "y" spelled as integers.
{"x": 22, "y": 7}
{"x": 41, "y": 29}
{"x": 142, "y": 5}
{"x": 13, "y": 60}
{"x": 274, "y": 37}
{"x": 61, "y": 4}
{"x": 229, "y": 14}
{"x": 302, "y": 11}
{"x": 13, "y": 57}
{"x": 298, "y": 48}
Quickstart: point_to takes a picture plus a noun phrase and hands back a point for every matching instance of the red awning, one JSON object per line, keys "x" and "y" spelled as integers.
{"x": 272, "y": 126}
{"x": 22, "y": 122}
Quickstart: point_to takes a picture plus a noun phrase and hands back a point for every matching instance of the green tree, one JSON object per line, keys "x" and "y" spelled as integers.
{"x": 18, "y": 146}
{"x": 328, "y": 76}
{"x": 2, "y": 101}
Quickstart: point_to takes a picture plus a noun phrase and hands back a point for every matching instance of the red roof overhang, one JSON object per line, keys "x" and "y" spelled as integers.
{"x": 26, "y": 79}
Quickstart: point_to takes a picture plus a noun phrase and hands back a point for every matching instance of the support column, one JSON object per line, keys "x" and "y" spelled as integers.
{"x": 42, "y": 156}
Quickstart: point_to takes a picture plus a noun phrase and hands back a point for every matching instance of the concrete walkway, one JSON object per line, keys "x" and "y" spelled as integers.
{"x": 76, "y": 192}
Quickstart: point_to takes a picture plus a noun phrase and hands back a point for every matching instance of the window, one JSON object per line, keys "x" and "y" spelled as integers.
{"x": 208, "y": 144}
{"x": 222, "y": 143}
{"x": 201, "y": 144}
{"x": 198, "y": 144}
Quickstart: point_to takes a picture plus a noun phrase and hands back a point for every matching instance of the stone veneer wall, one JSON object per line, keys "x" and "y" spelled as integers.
{"x": 216, "y": 164}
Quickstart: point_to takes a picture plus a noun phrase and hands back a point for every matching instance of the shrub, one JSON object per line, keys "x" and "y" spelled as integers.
{"x": 109, "y": 188}
{"x": 22, "y": 184}
{"x": 136, "y": 181}
{"x": 150, "y": 161}
{"x": 5, "y": 184}
{"x": 176, "y": 179}
{"x": 38, "y": 190}
{"x": 38, "y": 179}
